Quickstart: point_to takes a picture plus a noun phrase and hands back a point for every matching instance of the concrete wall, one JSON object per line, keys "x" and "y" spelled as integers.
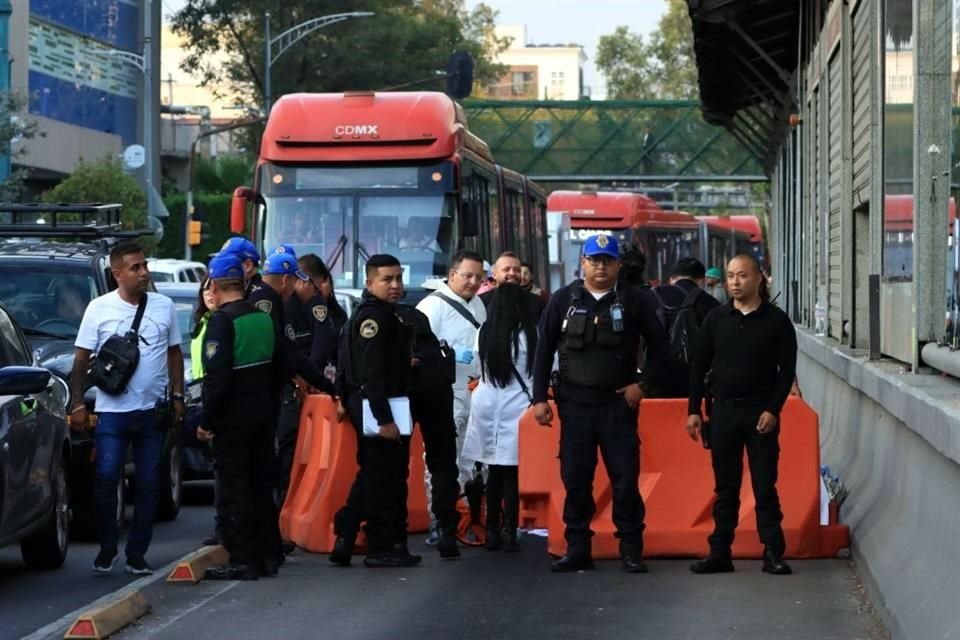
{"x": 894, "y": 439}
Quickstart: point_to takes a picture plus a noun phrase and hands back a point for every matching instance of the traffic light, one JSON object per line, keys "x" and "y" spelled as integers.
{"x": 197, "y": 233}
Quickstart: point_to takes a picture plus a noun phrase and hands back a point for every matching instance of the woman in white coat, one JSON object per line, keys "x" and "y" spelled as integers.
{"x": 505, "y": 345}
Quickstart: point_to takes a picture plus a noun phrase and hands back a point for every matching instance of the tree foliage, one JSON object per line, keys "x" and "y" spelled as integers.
{"x": 407, "y": 41}
{"x": 14, "y": 127}
{"x": 105, "y": 181}
{"x": 662, "y": 68}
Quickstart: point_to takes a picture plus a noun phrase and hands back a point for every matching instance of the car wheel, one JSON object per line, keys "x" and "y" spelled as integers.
{"x": 47, "y": 548}
{"x": 171, "y": 481}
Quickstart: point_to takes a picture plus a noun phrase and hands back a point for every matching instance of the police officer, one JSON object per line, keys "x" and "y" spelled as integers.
{"x": 749, "y": 347}
{"x": 314, "y": 339}
{"x": 595, "y": 326}
{"x": 249, "y": 257}
{"x": 376, "y": 368}
{"x": 239, "y": 357}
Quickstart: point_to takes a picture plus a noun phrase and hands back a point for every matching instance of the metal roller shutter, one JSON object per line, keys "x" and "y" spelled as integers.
{"x": 862, "y": 22}
{"x": 835, "y": 182}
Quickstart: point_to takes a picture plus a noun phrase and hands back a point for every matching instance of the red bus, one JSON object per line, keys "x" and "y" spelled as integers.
{"x": 348, "y": 175}
{"x": 725, "y": 237}
{"x": 898, "y": 235}
{"x": 663, "y": 236}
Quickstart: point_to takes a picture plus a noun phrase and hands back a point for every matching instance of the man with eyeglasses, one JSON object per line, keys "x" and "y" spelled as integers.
{"x": 455, "y": 313}
{"x": 595, "y": 326}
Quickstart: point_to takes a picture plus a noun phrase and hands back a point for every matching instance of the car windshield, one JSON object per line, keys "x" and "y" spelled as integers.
{"x": 185, "y": 319}
{"x": 46, "y": 299}
{"x": 345, "y": 215}
{"x": 159, "y": 276}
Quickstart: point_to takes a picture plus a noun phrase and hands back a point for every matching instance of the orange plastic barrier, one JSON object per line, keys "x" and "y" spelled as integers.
{"x": 676, "y": 482}
{"x": 539, "y": 467}
{"x": 324, "y": 468}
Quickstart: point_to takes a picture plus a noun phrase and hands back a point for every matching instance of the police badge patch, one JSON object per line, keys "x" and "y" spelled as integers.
{"x": 602, "y": 241}
{"x": 369, "y": 328}
{"x": 291, "y": 334}
{"x": 210, "y": 348}
{"x": 320, "y": 313}
{"x": 264, "y": 305}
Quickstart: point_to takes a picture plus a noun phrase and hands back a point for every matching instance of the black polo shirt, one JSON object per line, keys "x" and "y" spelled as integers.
{"x": 750, "y": 357}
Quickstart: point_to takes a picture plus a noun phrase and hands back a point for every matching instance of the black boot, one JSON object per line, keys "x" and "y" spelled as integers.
{"x": 511, "y": 541}
{"x": 447, "y": 543}
{"x": 342, "y": 550}
{"x": 494, "y": 539}
{"x": 773, "y": 563}
{"x": 232, "y": 571}
{"x": 713, "y": 563}
{"x": 395, "y": 558}
{"x": 577, "y": 559}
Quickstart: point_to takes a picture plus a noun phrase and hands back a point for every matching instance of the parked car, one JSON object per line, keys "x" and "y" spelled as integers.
{"x": 35, "y": 454}
{"x": 171, "y": 270}
{"x": 46, "y": 284}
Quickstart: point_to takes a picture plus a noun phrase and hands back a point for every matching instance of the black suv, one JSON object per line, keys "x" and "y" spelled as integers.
{"x": 54, "y": 259}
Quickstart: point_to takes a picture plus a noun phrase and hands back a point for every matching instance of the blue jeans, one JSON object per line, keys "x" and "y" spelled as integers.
{"x": 114, "y": 434}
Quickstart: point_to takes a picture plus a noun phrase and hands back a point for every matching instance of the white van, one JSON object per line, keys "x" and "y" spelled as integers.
{"x": 170, "y": 270}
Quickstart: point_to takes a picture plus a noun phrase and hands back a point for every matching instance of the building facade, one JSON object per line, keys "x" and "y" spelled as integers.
{"x": 538, "y": 72}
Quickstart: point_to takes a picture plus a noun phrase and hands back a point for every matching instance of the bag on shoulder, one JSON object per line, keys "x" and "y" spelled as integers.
{"x": 682, "y": 325}
{"x": 118, "y": 357}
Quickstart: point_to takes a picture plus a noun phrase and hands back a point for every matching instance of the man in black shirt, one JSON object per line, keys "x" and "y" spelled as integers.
{"x": 678, "y": 300}
{"x": 377, "y": 368}
{"x": 749, "y": 348}
{"x": 596, "y": 327}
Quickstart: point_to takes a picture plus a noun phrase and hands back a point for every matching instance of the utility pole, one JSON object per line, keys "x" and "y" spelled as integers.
{"x": 148, "y": 104}
{"x": 6, "y": 10}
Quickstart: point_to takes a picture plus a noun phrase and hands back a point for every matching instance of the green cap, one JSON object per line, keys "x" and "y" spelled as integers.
{"x": 714, "y": 272}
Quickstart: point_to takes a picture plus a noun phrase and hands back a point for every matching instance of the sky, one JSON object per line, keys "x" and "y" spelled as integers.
{"x": 561, "y": 21}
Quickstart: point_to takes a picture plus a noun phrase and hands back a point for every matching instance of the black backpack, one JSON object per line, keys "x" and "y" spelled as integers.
{"x": 682, "y": 324}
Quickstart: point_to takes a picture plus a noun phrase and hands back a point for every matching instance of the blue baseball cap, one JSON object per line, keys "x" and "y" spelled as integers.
{"x": 225, "y": 265}
{"x": 282, "y": 264}
{"x": 242, "y": 248}
{"x": 286, "y": 249}
{"x": 601, "y": 245}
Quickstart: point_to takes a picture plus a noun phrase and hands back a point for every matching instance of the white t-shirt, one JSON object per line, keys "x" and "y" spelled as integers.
{"x": 111, "y": 315}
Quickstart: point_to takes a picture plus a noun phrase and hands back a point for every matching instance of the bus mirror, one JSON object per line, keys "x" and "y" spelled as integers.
{"x": 459, "y": 75}
{"x": 242, "y": 196}
{"x": 471, "y": 222}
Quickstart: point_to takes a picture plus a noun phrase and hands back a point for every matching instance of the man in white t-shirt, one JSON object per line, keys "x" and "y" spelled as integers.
{"x": 129, "y": 417}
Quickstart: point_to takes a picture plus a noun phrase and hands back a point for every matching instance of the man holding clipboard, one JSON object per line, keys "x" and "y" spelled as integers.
{"x": 374, "y": 386}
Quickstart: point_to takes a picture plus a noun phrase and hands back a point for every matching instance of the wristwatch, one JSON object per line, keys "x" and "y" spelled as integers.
{"x": 178, "y": 396}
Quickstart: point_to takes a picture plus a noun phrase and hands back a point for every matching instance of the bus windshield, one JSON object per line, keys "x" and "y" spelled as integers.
{"x": 344, "y": 215}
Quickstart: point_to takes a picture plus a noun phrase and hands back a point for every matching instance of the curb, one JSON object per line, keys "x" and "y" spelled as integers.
{"x": 191, "y": 568}
{"x": 102, "y": 622}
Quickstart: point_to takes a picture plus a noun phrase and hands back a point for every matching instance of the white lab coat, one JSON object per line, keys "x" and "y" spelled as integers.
{"x": 448, "y": 325}
{"x": 493, "y": 431}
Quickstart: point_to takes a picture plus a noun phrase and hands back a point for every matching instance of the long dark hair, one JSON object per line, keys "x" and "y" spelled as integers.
{"x": 511, "y": 312}
{"x": 201, "y": 310}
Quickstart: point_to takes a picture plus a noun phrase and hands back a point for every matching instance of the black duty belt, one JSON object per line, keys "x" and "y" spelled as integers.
{"x": 747, "y": 401}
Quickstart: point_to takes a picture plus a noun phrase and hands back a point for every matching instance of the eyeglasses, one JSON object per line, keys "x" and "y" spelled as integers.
{"x": 596, "y": 261}
{"x": 466, "y": 275}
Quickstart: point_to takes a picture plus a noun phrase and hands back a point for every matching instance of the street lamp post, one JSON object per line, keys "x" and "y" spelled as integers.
{"x": 289, "y": 38}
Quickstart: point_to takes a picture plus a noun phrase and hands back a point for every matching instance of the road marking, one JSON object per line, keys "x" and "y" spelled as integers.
{"x": 153, "y": 630}
{"x": 61, "y": 624}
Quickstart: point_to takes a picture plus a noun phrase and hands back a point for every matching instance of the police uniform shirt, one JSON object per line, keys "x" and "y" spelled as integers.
{"x": 323, "y": 334}
{"x": 750, "y": 357}
{"x": 263, "y": 297}
{"x": 296, "y": 313}
{"x": 380, "y": 347}
{"x": 640, "y": 319}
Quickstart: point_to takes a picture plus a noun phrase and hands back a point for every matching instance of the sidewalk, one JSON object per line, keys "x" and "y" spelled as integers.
{"x": 493, "y": 595}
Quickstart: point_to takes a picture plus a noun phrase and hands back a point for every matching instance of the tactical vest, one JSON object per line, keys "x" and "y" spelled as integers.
{"x": 591, "y": 353}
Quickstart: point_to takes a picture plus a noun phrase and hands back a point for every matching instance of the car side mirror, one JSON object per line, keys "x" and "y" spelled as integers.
{"x": 17, "y": 381}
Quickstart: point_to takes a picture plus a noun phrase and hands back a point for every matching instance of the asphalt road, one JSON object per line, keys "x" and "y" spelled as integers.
{"x": 489, "y": 596}
{"x": 31, "y": 599}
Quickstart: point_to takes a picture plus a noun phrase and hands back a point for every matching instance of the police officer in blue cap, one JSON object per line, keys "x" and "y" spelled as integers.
{"x": 595, "y": 326}
{"x": 249, "y": 258}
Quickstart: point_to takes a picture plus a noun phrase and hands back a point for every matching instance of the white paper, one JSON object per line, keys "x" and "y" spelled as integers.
{"x": 400, "y": 407}
{"x": 824, "y": 504}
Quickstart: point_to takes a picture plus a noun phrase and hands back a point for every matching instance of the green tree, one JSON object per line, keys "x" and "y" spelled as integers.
{"x": 663, "y": 68}
{"x": 405, "y": 42}
{"x": 14, "y": 127}
{"x": 105, "y": 181}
